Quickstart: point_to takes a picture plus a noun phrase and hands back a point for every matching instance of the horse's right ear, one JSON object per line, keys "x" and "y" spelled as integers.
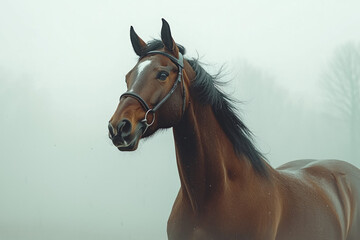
{"x": 138, "y": 44}
{"x": 167, "y": 39}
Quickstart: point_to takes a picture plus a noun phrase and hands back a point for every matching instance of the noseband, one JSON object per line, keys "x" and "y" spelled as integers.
{"x": 180, "y": 64}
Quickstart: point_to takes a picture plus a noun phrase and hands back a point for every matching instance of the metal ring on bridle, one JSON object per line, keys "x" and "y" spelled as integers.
{"x": 145, "y": 121}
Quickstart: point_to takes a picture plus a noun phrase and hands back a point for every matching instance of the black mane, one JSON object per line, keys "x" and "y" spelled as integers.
{"x": 205, "y": 89}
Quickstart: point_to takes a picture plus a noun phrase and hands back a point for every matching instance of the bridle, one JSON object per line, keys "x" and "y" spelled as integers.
{"x": 180, "y": 64}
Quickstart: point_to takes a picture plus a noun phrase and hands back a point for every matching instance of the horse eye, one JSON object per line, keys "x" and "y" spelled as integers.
{"x": 162, "y": 76}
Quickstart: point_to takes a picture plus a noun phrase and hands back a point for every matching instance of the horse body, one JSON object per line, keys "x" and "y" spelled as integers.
{"x": 228, "y": 190}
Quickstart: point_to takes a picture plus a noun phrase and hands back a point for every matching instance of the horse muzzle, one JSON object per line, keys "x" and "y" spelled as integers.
{"x": 124, "y": 137}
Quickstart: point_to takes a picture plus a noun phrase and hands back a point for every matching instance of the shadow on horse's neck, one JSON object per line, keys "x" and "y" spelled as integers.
{"x": 206, "y": 158}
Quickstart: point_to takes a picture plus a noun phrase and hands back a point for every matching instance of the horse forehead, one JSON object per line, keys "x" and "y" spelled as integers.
{"x": 139, "y": 74}
{"x": 142, "y": 66}
{"x": 139, "y": 71}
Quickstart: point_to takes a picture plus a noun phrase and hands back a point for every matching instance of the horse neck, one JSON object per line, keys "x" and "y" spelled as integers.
{"x": 206, "y": 158}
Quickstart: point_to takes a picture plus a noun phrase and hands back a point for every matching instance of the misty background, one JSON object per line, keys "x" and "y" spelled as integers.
{"x": 293, "y": 66}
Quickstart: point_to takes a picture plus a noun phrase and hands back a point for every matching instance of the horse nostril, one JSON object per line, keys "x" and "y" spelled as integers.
{"x": 124, "y": 128}
{"x": 111, "y": 131}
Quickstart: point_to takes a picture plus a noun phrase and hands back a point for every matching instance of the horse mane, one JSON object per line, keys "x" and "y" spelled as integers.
{"x": 205, "y": 90}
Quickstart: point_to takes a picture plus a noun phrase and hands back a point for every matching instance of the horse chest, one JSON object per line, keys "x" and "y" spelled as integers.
{"x": 217, "y": 223}
{"x": 207, "y": 233}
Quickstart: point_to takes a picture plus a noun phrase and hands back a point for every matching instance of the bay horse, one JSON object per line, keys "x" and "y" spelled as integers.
{"x": 228, "y": 190}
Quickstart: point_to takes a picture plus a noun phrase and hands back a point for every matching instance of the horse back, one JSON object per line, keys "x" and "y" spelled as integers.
{"x": 327, "y": 191}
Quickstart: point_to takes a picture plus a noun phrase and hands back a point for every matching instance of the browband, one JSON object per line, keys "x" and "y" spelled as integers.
{"x": 179, "y": 62}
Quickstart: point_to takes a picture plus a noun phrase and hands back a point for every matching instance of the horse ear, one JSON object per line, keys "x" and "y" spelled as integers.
{"x": 167, "y": 39}
{"x": 138, "y": 44}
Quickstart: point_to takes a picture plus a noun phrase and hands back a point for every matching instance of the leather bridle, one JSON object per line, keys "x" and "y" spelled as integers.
{"x": 180, "y": 64}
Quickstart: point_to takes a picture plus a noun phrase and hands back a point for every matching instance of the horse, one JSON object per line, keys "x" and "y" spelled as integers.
{"x": 228, "y": 190}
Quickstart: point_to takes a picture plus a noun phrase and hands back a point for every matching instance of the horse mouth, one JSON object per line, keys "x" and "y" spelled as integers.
{"x": 131, "y": 144}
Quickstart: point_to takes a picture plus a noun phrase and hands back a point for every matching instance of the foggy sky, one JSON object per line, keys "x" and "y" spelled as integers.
{"x": 62, "y": 68}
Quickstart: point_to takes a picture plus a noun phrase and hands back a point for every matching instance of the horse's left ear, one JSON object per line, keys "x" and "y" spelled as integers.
{"x": 167, "y": 39}
{"x": 138, "y": 44}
